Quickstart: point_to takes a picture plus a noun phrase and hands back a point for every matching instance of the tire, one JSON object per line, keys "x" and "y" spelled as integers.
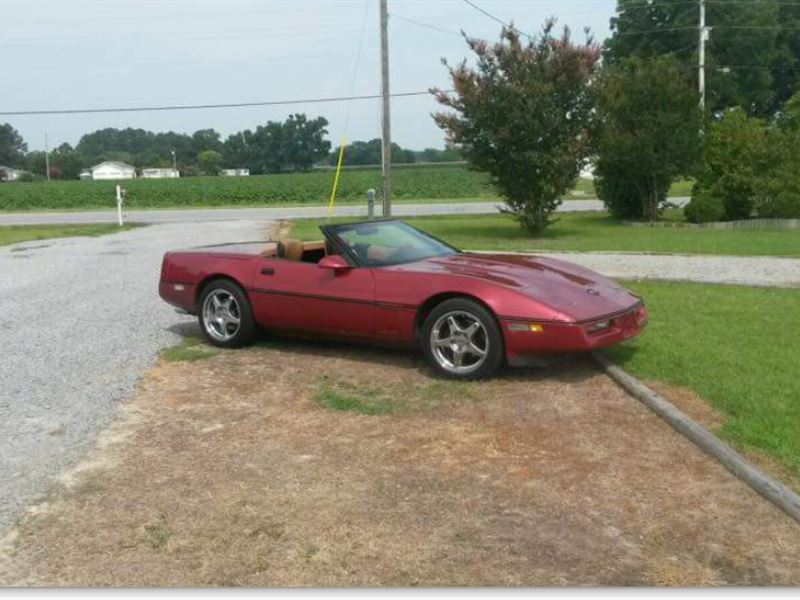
{"x": 462, "y": 340}
{"x": 221, "y": 303}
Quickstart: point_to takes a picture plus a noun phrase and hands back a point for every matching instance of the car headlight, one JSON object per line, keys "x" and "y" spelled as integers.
{"x": 599, "y": 326}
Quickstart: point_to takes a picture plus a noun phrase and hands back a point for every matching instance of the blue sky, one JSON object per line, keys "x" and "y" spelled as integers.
{"x": 58, "y": 55}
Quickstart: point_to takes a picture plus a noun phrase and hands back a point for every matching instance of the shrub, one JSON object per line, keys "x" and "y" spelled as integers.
{"x": 621, "y": 193}
{"x": 646, "y": 134}
{"x": 753, "y": 166}
{"x": 705, "y": 207}
{"x": 786, "y": 205}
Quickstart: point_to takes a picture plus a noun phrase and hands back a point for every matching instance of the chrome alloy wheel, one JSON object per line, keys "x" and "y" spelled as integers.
{"x": 459, "y": 342}
{"x": 221, "y": 315}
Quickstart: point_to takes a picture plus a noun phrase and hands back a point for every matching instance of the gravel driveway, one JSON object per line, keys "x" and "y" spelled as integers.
{"x": 81, "y": 320}
{"x": 741, "y": 270}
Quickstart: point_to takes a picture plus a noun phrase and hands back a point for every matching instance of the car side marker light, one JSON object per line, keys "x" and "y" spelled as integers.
{"x": 534, "y": 327}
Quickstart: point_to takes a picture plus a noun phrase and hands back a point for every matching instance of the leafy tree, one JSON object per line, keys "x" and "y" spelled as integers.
{"x": 206, "y": 139}
{"x": 751, "y": 166}
{"x": 294, "y": 145}
{"x": 752, "y": 54}
{"x": 12, "y": 146}
{"x": 521, "y": 114}
{"x": 137, "y": 146}
{"x": 436, "y": 155}
{"x": 370, "y": 153}
{"x": 35, "y": 162}
{"x": 209, "y": 162}
{"x": 646, "y": 134}
{"x": 68, "y": 162}
{"x": 789, "y": 117}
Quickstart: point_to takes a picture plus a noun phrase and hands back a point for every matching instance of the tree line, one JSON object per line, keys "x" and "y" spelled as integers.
{"x": 295, "y": 144}
{"x": 534, "y": 110}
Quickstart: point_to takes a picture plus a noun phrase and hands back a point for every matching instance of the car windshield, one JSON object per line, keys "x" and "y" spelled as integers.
{"x": 382, "y": 243}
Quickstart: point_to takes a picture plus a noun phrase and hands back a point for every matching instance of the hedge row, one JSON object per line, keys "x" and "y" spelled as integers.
{"x": 437, "y": 182}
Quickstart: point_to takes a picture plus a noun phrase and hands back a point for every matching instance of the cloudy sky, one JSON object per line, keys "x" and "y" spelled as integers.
{"x": 69, "y": 55}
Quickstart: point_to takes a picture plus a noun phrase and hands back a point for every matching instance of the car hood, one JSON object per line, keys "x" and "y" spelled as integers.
{"x": 577, "y": 292}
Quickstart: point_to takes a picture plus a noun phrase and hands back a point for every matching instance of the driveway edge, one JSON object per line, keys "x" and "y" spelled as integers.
{"x": 777, "y": 493}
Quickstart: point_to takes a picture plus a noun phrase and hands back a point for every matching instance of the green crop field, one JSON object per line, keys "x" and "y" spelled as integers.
{"x": 430, "y": 183}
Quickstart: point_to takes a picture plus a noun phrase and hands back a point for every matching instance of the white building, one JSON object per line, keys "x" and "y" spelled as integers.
{"x": 9, "y": 173}
{"x": 113, "y": 169}
{"x": 160, "y": 173}
{"x": 235, "y": 172}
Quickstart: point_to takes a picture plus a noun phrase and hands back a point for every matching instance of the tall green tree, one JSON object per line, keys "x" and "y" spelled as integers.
{"x": 293, "y": 145}
{"x": 209, "y": 162}
{"x": 521, "y": 114}
{"x": 370, "y": 153}
{"x": 645, "y": 135}
{"x": 68, "y": 161}
{"x": 206, "y": 139}
{"x": 12, "y": 146}
{"x": 751, "y": 56}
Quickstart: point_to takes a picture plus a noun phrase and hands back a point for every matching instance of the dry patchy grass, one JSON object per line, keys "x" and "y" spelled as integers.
{"x": 241, "y": 470}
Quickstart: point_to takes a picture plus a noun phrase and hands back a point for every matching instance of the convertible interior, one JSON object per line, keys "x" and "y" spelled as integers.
{"x": 296, "y": 250}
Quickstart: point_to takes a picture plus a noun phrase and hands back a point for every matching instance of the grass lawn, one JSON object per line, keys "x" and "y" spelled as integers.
{"x": 13, "y": 234}
{"x": 592, "y": 231}
{"x": 737, "y": 347}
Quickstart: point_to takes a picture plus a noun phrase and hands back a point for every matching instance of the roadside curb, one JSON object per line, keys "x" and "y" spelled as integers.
{"x": 777, "y": 493}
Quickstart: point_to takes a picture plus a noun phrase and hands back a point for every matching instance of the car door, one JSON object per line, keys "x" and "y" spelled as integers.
{"x": 302, "y": 297}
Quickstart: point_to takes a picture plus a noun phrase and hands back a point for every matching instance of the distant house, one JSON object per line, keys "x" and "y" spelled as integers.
{"x": 160, "y": 173}
{"x": 235, "y": 172}
{"x": 112, "y": 169}
{"x": 9, "y": 173}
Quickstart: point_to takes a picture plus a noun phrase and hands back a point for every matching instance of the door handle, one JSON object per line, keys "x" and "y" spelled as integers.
{"x": 267, "y": 271}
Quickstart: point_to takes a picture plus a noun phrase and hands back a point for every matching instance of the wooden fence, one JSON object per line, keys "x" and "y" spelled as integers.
{"x": 748, "y": 224}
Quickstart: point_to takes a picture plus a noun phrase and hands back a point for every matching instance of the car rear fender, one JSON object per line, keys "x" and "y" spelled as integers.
{"x": 213, "y": 277}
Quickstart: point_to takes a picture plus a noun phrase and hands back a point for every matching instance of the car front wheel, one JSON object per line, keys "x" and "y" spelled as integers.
{"x": 462, "y": 340}
{"x": 225, "y": 315}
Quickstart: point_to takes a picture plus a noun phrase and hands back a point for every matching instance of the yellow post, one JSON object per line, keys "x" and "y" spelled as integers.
{"x": 336, "y": 177}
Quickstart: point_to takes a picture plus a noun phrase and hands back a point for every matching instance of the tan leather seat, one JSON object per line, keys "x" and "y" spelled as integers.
{"x": 270, "y": 250}
{"x": 293, "y": 250}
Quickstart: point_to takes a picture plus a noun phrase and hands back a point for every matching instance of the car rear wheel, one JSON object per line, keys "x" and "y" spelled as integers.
{"x": 462, "y": 340}
{"x": 225, "y": 315}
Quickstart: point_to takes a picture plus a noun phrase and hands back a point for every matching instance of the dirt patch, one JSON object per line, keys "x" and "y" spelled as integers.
{"x": 233, "y": 470}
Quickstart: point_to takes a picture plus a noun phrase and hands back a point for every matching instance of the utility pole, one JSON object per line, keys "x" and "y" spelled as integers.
{"x": 174, "y": 161}
{"x": 701, "y": 55}
{"x": 46, "y": 158}
{"x": 386, "y": 129}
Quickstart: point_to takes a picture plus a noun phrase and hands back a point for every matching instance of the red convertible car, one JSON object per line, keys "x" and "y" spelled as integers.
{"x": 387, "y": 282}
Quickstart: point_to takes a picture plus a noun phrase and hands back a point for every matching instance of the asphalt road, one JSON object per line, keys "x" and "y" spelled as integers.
{"x": 80, "y": 321}
{"x": 297, "y": 212}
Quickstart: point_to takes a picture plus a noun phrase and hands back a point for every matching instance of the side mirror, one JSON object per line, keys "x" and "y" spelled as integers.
{"x": 335, "y": 262}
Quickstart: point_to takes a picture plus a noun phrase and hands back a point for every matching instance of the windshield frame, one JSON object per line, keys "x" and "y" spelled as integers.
{"x": 331, "y": 232}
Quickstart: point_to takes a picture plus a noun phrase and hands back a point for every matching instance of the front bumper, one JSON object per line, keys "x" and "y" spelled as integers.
{"x": 526, "y": 347}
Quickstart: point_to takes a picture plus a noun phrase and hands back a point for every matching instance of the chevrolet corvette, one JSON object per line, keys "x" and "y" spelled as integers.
{"x": 389, "y": 283}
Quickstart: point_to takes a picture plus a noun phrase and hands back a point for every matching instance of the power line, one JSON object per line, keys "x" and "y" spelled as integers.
{"x": 659, "y": 30}
{"x": 206, "y": 106}
{"x": 425, "y": 25}
{"x": 498, "y": 20}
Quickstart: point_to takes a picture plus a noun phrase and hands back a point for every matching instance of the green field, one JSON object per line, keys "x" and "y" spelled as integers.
{"x": 736, "y": 347}
{"x": 13, "y": 234}
{"x": 421, "y": 183}
{"x": 594, "y": 231}
{"x": 291, "y": 188}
